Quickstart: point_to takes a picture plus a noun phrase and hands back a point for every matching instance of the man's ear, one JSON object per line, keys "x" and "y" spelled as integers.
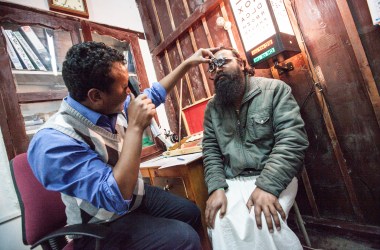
{"x": 95, "y": 96}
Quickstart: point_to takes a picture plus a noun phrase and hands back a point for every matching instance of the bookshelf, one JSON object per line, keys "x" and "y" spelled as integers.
{"x": 33, "y": 88}
{"x": 28, "y": 97}
{"x": 27, "y": 72}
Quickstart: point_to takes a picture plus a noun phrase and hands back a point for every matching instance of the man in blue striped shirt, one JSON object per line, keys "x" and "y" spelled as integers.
{"x": 89, "y": 154}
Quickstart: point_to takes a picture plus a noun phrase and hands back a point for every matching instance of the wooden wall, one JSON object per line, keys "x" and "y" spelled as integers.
{"x": 335, "y": 81}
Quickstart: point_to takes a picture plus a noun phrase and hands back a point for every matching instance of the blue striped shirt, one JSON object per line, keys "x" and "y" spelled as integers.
{"x": 66, "y": 165}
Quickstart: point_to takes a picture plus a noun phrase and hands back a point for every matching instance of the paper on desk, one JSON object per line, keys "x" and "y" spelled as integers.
{"x": 181, "y": 160}
{"x": 165, "y": 162}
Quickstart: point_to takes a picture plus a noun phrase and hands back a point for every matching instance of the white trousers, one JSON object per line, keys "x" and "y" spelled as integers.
{"x": 237, "y": 230}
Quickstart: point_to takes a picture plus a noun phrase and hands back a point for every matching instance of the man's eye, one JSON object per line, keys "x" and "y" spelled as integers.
{"x": 211, "y": 67}
{"x": 220, "y": 62}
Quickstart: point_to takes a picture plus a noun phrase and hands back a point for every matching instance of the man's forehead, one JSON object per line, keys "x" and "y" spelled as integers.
{"x": 223, "y": 53}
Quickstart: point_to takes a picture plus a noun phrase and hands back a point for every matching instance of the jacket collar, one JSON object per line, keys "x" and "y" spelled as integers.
{"x": 252, "y": 89}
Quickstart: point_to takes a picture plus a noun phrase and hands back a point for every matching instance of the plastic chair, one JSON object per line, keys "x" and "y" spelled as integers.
{"x": 43, "y": 212}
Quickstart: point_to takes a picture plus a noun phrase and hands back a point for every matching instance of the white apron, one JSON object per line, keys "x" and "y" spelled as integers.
{"x": 237, "y": 230}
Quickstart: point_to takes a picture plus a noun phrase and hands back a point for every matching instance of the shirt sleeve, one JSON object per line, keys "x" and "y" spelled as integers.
{"x": 69, "y": 166}
{"x": 156, "y": 93}
{"x": 215, "y": 177}
{"x": 291, "y": 142}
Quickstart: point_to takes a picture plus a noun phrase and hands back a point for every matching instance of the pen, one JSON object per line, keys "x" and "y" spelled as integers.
{"x": 181, "y": 159}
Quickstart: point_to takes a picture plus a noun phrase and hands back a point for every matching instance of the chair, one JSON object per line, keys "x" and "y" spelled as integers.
{"x": 43, "y": 212}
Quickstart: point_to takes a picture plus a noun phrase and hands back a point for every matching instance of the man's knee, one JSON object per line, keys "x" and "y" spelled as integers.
{"x": 193, "y": 216}
{"x": 183, "y": 236}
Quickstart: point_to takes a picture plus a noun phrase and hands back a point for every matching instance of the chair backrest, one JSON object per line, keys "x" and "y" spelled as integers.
{"x": 42, "y": 211}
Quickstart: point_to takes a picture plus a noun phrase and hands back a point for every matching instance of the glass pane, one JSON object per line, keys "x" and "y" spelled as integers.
{"x": 36, "y": 114}
{"x": 36, "y": 54}
{"x": 121, "y": 46}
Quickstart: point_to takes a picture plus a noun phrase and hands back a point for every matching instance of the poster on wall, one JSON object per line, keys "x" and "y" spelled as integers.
{"x": 254, "y": 21}
{"x": 282, "y": 17}
{"x": 265, "y": 30}
{"x": 374, "y": 9}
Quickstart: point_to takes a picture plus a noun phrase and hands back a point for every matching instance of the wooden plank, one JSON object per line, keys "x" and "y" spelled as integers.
{"x": 9, "y": 100}
{"x": 30, "y": 16}
{"x": 195, "y": 48}
{"x": 170, "y": 14}
{"x": 188, "y": 83}
{"x": 201, "y": 69}
{"x": 201, "y": 42}
{"x": 342, "y": 226}
{"x": 5, "y": 131}
{"x": 369, "y": 35}
{"x": 194, "y": 73}
{"x": 309, "y": 193}
{"x": 170, "y": 69}
{"x": 218, "y": 35}
{"x": 41, "y": 96}
{"x": 205, "y": 27}
{"x": 86, "y": 30}
{"x": 361, "y": 57}
{"x": 157, "y": 21}
{"x": 179, "y": 10}
{"x": 160, "y": 7}
{"x": 139, "y": 62}
{"x": 184, "y": 26}
{"x": 116, "y": 32}
{"x": 326, "y": 116}
{"x": 165, "y": 51}
{"x": 147, "y": 24}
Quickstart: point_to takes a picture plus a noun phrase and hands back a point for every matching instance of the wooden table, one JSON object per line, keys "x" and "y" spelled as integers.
{"x": 185, "y": 179}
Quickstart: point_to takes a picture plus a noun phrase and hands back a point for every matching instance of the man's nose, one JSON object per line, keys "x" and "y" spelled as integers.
{"x": 218, "y": 69}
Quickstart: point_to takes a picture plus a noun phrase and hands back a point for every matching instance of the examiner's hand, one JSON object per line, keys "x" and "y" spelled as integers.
{"x": 216, "y": 201}
{"x": 201, "y": 56}
{"x": 140, "y": 111}
{"x": 268, "y": 204}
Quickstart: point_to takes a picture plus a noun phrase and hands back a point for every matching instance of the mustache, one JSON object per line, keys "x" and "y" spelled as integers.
{"x": 220, "y": 75}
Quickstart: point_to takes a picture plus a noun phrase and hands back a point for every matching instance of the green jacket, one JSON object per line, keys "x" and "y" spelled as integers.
{"x": 267, "y": 134}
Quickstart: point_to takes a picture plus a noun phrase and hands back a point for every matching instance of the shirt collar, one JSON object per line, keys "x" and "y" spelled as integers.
{"x": 104, "y": 121}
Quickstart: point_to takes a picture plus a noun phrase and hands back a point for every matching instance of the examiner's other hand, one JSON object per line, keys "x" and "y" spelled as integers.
{"x": 140, "y": 111}
{"x": 201, "y": 56}
{"x": 216, "y": 201}
{"x": 268, "y": 204}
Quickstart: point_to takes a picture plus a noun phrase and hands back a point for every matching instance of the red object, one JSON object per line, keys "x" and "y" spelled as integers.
{"x": 194, "y": 115}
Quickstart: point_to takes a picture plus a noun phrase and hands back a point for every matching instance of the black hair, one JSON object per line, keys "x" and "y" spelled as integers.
{"x": 247, "y": 70}
{"x": 88, "y": 65}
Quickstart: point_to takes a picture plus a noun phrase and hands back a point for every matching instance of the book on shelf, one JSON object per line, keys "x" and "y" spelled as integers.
{"x": 19, "y": 50}
{"x": 35, "y": 43}
{"x": 32, "y": 56}
{"x": 32, "y": 127}
{"x": 34, "y": 122}
{"x": 12, "y": 53}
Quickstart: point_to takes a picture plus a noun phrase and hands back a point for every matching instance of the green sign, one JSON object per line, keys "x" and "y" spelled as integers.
{"x": 264, "y": 55}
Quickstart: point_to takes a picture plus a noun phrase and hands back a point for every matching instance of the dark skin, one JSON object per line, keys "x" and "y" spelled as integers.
{"x": 260, "y": 200}
{"x": 140, "y": 113}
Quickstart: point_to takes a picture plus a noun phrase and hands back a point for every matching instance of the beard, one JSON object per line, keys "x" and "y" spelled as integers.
{"x": 229, "y": 87}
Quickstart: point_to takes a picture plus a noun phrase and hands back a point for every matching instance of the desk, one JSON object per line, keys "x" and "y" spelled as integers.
{"x": 185, "y": 179}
